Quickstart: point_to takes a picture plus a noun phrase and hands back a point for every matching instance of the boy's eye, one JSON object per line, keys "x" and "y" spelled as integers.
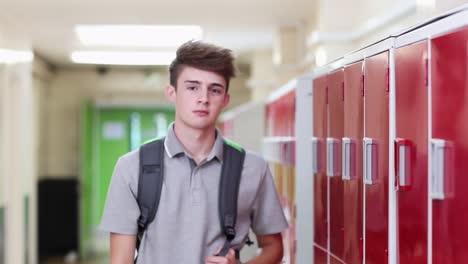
{"x": 216, "y": 90}
{"x": 191, "y": 88}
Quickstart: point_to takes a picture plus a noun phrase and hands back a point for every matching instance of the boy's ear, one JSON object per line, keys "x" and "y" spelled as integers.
{"x": 170, "y": 93}
{"x": 227, "y": 98}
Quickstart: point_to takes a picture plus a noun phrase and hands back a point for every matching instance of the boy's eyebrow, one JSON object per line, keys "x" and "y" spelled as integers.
{"x": 217, "y": 84}
{"x": 198, "y": 82}
{"x": 194, "y": 82}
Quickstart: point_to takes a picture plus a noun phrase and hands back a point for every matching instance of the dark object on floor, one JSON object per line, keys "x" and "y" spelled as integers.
{"x": 58, "y": 216}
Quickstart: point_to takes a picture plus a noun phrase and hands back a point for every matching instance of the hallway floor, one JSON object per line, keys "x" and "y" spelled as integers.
{"x": 63, "y": 260}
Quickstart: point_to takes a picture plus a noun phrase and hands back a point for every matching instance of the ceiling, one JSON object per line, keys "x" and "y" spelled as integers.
{"x": 241, "y": 25}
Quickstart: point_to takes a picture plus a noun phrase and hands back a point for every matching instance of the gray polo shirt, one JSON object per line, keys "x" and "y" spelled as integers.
{"x": 186, "y": 228}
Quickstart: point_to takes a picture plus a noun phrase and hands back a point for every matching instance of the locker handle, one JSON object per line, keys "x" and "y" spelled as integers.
{"x": 287, "y": 149}
{"x": 284, "y": 152}
{"x": 441, "y": 169}
{"x": 348, "y": 159}
{"x": 332, "y": 157}
{"x": 370, "y": 161}
{"x": 403, "y": 179}
{"x": 316, "y": 150}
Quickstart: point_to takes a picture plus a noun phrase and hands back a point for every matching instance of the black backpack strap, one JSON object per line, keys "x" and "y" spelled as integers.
{"x": 233, "y": 162}
{"x": 150, "y": 183}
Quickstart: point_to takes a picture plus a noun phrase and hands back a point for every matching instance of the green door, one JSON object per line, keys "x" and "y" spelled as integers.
{"x": 107, "y": 134}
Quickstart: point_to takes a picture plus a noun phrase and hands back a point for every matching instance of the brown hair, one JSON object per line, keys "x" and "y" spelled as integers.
{"x": 203, "y": 56}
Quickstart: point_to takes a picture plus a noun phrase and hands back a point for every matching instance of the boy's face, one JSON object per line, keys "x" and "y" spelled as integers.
{"x": 199, "y": 98}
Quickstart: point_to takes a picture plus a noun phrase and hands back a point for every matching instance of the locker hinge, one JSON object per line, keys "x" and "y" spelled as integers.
{"x": 362, "y": 85}
{"x": 326, "y": 94}
{"x": 426, "y": 71}
{"x": 387, "y": 80}
{"x": 342, "y": 91}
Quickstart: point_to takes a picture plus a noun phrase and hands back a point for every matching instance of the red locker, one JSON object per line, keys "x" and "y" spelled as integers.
{"x": 290, "y": 160}
{"x": 286, "y": 107}
{"x": 320, "y": 256}
{"x": 280, "y": 120}
{"x": 279, "y": 123}
{"x": 375, "y": 155}
{"x": 411, "y": 152}
{"x": 288, "y": 113}
{"x": 290, "y": 99}
{"x": 269, "y": 119}
{"x": 279, "y": 116}
{"x": 352, "y": 162}
{"x": 449, "y": 147}
{"x": 335, "y": 83}
{"x": 335, "y": 260}
{"x": 320, "y": 179}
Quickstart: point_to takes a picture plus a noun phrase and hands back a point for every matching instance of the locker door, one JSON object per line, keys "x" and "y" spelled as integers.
{"x": 352, "y": 163}
{"x": 287, "y": 159}
{"x": 449, "y": 148}
{"x": 291, "y": 101}
{"x": 320, "y": 179}
{"x": 282, "y": 113}
{"x": 375, "y": 148}
{"x": 335, "y": 133}
{"x": 269, "y": 120}
{"x": 411, "y": 152}
{"x": 281, "y": 116}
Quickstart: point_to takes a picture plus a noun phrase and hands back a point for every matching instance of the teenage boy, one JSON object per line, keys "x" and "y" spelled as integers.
{"x": 186, "y": 229}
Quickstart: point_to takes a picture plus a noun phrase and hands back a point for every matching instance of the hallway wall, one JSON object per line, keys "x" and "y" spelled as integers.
{"x": 19, "y": 145}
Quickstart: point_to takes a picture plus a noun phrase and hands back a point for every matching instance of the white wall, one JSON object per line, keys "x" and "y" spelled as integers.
{"x": 2, "y": 135}
{"x": 18, "y": 145}
{"x": 446, "y": 5}
{"x": 248, "y": 125}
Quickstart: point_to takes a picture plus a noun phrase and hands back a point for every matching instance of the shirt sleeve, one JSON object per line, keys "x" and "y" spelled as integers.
{"x": 267, "y": 214}
{"x": 121, "y": 209}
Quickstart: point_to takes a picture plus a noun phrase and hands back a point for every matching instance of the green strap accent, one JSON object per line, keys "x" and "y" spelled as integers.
{"x": 233, "y": 144}
{"x": 151, "y": 140}
{"x": 227, "y": 141}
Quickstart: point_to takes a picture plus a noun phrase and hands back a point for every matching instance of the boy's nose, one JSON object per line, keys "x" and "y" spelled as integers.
{"x": 203, "y": 96}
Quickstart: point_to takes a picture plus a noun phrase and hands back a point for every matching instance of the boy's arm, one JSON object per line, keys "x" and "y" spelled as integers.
{"x": 122, "y": 248}
{"x": 271, "y": 249}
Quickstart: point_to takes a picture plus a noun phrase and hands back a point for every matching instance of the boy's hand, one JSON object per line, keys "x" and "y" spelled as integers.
{"x": 230, "y": 258}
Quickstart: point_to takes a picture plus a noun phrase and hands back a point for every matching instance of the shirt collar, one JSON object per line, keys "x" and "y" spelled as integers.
{"x": 174, "y": 147}
{"x": 172, "y": 144}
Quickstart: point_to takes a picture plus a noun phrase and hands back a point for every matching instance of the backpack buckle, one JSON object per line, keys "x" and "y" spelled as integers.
{"x": 230, "y": 232}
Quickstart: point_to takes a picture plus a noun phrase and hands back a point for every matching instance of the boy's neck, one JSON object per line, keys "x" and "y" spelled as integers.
{"x": 197, "y": 142}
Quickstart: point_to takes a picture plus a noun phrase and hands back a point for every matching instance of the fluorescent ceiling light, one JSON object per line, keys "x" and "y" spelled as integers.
{"x": 137, "y": 35}
{"x": 123, "y": 57}
{"x": 426, "y": 3}
{"x": 15, "y": 56}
